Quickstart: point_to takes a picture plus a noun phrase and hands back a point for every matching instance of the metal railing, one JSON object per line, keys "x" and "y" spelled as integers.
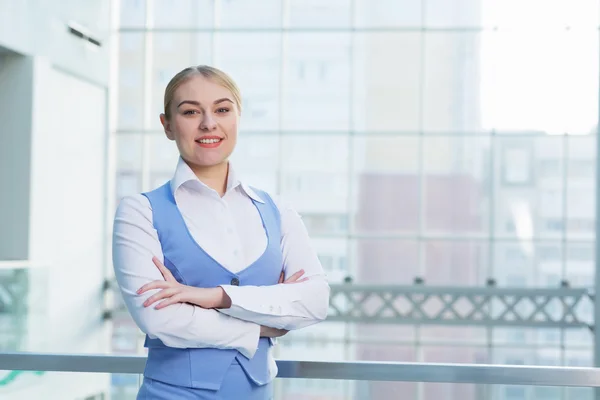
{"x": 356, "y": 370}
{"x": 487, "y": 306}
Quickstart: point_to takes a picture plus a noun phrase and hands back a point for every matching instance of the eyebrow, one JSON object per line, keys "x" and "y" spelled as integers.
{"x": 195, "y": 103}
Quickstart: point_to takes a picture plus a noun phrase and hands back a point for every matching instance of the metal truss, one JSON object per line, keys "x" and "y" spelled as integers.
{"x": 462, "y": 306}
{"x": 456, "y": 306}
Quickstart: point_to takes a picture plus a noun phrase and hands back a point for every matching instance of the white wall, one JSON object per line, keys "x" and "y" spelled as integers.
{"x": 63, "y": 174}
{"x": 68, "y": 200}
{"x": 15, "y": 113}
{"x": 39, "y": 27}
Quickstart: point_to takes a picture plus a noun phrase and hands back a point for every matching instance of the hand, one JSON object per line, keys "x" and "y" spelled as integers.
{"x": 292, "y": 279}
{"x": 174, "y": 292}
{"x": 267, "y": 331}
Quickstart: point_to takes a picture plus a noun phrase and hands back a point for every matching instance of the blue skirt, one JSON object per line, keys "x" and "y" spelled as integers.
{"x": 235, "y": 386}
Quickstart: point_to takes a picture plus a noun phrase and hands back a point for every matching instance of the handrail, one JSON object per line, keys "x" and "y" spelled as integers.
{"x": 15, "y": 264}
{"x": 356, "y": 370}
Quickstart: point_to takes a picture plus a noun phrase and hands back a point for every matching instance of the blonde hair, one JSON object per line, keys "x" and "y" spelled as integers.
{"x": 211, "y": 73}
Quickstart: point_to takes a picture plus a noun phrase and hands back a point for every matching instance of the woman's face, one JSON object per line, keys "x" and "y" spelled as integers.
{"x": 204, "y": 122}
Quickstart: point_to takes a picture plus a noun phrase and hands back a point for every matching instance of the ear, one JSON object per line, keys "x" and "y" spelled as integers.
{"x": 167, "y": 126}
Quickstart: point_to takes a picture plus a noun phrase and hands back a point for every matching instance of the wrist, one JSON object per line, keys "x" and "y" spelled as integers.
{"x": 205, "y": 297}
{"x": 222, "y": 299}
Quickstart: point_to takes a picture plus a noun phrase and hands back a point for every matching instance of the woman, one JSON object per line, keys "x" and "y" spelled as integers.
{"x": 211, "y": 269}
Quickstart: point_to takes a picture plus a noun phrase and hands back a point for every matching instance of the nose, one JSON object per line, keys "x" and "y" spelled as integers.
{"x": 208, "y": 122}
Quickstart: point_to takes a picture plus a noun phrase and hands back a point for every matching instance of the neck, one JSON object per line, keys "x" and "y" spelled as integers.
{"x": 214, "y": 176}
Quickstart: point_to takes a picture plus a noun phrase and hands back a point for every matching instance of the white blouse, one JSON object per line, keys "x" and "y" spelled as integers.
{"x": 228, "y": 228}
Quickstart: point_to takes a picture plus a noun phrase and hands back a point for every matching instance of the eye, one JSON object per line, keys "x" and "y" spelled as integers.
{"x": 223, "y": 110}
{"x": 190, "y": 112}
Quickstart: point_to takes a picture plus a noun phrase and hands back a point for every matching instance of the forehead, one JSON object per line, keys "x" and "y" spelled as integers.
{"x": 201, "y": 89}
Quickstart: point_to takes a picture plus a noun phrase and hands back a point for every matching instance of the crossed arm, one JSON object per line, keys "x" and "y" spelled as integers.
{"x": 226, "y": 316}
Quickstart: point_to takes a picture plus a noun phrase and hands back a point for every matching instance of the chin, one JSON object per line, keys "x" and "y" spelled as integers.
{"x": 206, "y": 162}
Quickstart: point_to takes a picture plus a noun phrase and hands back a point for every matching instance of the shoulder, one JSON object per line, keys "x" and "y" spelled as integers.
{"x": 133, "y": 205}
{"x": 142, "y": 201}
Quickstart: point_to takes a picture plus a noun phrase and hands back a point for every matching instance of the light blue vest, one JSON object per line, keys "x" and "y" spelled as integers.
{"x": 191, "y": 265}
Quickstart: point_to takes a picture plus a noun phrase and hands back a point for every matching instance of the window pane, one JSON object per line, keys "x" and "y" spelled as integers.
{"x": 528, "y": 205}
{"x": 438, "y": 335}
{"x": 514, "y": 263}
{"x": 255, "y": 14}
{"x": 457, "y": 184}
{"x": 315, "y": 178}
{"x": 129, "y": 164}
{"x": 453, "y": 13}
{"x": 129, "y": 152}
{"x": 317, "y": 13}
{"x": 183, "y": 14}
{"x": 316, "y": 82}
{"x": 332, "y": 251}
{"x": 387, "y": 79}
{"x": 451, "y": 82}
{"x": 132, "y": 13}
{"x": 581, "y": 187}
{"x": 580, "y": 267}
{"x": 388, "y": 13}
{"x": 131, "y": 81}
{"x": 456, "y": 262}
{"x": 386, "y": 183}
{"x": 385, "y": 261}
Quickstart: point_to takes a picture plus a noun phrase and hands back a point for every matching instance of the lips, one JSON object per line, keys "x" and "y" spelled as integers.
{"x": 209, "y": 141}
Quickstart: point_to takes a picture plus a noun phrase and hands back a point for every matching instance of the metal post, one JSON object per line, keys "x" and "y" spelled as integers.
{"x": 597, "y": 259}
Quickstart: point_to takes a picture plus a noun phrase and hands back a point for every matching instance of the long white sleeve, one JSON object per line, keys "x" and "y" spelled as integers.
{"x": 286, "y": 306}
{"x": 135, "y": 241}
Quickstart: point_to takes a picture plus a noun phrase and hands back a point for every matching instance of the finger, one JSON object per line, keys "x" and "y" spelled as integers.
{"x": 171, "y": 300}
{"x": 154, "y": 285}
{"x": 163, "y": 270}
{"x": 295, "y": 277}
{"x": 165, "y": 293}
{"x": 281, "y": 277}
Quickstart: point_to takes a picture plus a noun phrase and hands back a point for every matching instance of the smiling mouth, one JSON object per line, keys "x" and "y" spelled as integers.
{"x": 209, "y": 141}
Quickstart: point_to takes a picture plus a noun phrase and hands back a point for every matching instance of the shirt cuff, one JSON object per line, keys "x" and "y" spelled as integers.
{"x": 239, "y": 308}
{"x": 246, "y": 300}
{"x": 233, "y": 293}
